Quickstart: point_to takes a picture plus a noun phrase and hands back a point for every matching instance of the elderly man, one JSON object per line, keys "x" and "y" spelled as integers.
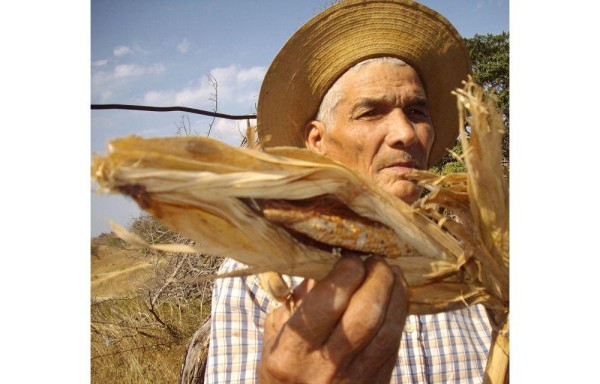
{"x": 366, "y": 83}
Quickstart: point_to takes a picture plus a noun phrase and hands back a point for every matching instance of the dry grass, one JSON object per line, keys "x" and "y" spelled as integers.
{"x": 130, "y": 346}
{"x": 140, "y": 326}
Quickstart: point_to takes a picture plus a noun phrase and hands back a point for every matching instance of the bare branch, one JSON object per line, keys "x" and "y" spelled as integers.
{"x": 214, "y": 97}
{"x": 184, "y": 128}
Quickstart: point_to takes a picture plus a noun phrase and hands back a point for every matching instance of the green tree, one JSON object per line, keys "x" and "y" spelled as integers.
{"x": 490, "y": 67}
{"x": 490, "y": 63}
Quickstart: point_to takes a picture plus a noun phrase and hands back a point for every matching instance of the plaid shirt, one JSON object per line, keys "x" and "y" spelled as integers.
{"x": 449, "y": 347}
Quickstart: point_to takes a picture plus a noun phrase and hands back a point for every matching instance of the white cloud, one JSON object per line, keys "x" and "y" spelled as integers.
{"x": 157, "y": 98}
{"x": 128, "y": 70}
{"x": 238, "y": 85}
{"x": 106, "y": 84}
{"x": 229, "y": 131}
{"x": 237, "y": 91}
{"x": 99, "y": 63}
{"x": 139, "y": 49}
{"x": 192, "y": 95}
{"x": 184, "y": 46}
{"x": 224, "y": 74}
{"x": 252, "y": 74}
{"x": 122, "y": 51}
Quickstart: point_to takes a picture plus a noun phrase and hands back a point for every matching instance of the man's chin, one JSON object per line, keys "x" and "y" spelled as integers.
{"x": 405, "y": 190}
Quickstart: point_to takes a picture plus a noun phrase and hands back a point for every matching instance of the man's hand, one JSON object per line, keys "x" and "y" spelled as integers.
{"x": 347, "y": 327}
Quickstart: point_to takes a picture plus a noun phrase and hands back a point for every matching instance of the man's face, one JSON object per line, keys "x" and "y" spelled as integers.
{"x": 381, "y": 127}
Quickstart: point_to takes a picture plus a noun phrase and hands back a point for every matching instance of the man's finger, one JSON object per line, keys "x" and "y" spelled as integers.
{"x": 302, "y": 290}
{"x": 319, "y": 310}
{"x": 384, "y": 346}
{"x": 365, "y": 313}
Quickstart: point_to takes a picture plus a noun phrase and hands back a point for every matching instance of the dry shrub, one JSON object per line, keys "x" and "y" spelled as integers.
{"x": 143, "y": 337}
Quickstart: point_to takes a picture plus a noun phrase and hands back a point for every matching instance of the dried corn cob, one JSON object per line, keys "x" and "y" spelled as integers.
{"x": 328, "y": 222}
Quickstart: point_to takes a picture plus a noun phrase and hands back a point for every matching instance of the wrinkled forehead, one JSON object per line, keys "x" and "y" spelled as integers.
{"x": 385, "y": 61}
{"x": 380, "y": 75}
{"x": 361, "y": 65}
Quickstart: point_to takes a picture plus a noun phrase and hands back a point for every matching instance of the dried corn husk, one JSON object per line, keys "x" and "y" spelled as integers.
{"x": 291, "y": 211}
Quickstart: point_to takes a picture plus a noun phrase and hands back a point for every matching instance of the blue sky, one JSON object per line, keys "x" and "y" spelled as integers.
{"x": 161, "y": 53}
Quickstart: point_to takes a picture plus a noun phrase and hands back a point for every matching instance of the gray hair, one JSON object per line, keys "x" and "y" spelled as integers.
{"x": 334, "y": 95}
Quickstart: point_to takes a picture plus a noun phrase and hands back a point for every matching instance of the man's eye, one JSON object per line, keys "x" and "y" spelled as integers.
{"x": 369, "y": 113}
{"x": 419, "y": 112}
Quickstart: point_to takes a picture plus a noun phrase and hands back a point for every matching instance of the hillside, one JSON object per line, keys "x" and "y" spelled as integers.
{"x": 116, "y": 271}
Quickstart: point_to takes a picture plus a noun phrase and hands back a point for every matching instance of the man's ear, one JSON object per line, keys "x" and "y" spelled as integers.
{"x": 314, "y": 132}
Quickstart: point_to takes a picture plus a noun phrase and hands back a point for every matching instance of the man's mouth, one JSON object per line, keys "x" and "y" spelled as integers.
{"x": 402, "y": 165}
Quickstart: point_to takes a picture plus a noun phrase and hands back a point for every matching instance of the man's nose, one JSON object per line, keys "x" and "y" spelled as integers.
{"x": 401, "y": 130}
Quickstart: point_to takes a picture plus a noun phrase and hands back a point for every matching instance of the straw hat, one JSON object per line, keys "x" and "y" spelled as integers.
{"x": 346, "y": 34}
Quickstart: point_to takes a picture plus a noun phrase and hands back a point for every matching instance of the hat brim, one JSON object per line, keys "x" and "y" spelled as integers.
{"x": 350, "y": 32}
